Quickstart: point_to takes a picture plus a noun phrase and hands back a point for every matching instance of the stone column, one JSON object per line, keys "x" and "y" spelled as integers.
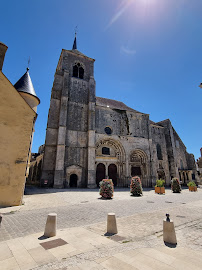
{"x": 91, "y": 135}
{"x": 91, "y": 159}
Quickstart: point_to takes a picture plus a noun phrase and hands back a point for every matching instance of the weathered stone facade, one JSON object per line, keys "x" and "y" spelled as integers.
{"x": 89, "y": 138}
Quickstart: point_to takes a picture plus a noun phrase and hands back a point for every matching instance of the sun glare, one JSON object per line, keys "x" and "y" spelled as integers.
{"x": 142, "y": 8}
{"x": 145, "y": 2}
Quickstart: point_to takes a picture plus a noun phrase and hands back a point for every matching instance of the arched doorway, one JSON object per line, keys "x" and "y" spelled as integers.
{"x": 111, "y": 151}
{"x": 139, "y": 167}
{"x": 184, "y": 178}
{"x": 100, "y": 173}
{"x": 180, "y": 176}
{"x": 73, "y": 180}
{"x": 161, "y": 174}
{"x": 136, "y": 171}
{"x": 112, "y": 173}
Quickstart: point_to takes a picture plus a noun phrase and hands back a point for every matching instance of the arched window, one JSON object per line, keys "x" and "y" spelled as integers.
{"x": 75, "y": 71}
{"x": 81, "y": 72}
{"x": 106, "y": 151}
{"x": 78, "y": 71}
{"x": 159, "y": 153}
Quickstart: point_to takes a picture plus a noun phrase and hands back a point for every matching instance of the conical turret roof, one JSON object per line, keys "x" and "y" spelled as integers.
{"x": 24, "y": 84}
{"x": 74, "y": 47}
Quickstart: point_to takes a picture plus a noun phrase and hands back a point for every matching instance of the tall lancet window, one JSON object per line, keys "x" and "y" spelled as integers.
{"x": 78, "y": 71}
{"x": 159, "y": 153}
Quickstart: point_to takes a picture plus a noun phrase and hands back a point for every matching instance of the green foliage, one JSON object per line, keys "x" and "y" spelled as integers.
{"x": 160, "y": 183}
{"x": 175, "y": 185}
{"x": 136, "y": 186}
{"x": 106, "y": 188}
{"x": 191, "y": 184}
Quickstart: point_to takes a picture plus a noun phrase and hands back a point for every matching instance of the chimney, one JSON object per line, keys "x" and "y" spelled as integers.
{"x": 3, "y": 49}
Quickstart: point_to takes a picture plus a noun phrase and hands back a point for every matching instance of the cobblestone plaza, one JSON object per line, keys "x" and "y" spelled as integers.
{"x": 82, "y": 224}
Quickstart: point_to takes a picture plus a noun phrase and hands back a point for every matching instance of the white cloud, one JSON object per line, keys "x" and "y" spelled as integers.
{"x": 127, "y": 50}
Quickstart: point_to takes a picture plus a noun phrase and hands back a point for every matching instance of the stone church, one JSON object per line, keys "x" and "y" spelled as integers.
{"x": 89, "y": 138}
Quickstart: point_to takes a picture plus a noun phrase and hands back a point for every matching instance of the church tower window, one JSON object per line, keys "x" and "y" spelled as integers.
{"x": 159, "y": 153}
{"x": 78, "y": 71}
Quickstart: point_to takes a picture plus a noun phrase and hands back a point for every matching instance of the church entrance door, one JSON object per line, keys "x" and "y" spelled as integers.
{"x": 100, "y": 173}
{"x": 73, "y": 180}
{"x": 112, "y": 173}
{"x": 136, "y": 171}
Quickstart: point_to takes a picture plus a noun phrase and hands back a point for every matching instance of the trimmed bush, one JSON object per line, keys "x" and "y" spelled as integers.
{"x": 175, "y": 185}
{"x": 160, "y": 183}
{"x": 106, "y": 188}
{"x": 136, "y": 186}
{"x": 191, "y": 184}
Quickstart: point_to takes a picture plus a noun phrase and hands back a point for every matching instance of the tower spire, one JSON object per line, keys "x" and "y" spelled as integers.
{"x": 75, "y": 44}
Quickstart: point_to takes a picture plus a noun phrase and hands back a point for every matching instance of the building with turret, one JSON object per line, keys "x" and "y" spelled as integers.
{"x": 17, "y": 118}
{"x": 89, "y": 138}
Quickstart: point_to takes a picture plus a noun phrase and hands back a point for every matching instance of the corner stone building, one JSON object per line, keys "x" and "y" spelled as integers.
{"x": 89, "y": 138}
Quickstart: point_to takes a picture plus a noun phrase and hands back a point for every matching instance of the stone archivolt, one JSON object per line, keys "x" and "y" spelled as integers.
{"x": 118, "y": 148}
{"x": 138, "y": 156}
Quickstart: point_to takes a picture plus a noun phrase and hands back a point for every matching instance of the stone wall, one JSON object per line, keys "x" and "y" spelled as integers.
{"x": 16, "y": 125}
{"x": 160, "y": 163}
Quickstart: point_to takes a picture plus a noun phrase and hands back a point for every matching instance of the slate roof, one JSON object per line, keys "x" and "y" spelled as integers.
{"x": 79, "y": 53}
{"x": 24, "y": 84}
{"x": 113, "y": 104}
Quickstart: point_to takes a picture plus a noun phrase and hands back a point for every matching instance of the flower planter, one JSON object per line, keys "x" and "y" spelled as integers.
{"x": 160, "y": 190}
{"x": 136, "y": 186}
{"x": 175, "y": 185}
{"x": 192, "y": 188}
{"x": 106, "y": 188}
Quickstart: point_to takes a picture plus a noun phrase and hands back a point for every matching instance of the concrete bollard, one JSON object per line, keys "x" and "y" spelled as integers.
{"x": 111, "y": 223}
{"x": 169, "y": 235}
{"x": 51, "y": 224}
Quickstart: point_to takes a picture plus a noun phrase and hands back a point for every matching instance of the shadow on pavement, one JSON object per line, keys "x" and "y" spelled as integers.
{"x": 170, "y": 245}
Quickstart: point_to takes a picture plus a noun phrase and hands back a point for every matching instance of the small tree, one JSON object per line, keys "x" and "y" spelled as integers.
{"x": 106, "y": 188}
{"x": 160, "y": 183}
{"x": 136, "y": 186}
{"x": 175, "y": 185}
{"x": 191, "y": 184}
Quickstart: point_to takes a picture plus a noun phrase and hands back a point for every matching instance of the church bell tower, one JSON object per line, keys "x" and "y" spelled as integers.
{"x": 69, "y": 158}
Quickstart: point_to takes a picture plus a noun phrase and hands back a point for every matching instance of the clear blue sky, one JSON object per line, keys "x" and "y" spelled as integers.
{"x": 148, "y": 54}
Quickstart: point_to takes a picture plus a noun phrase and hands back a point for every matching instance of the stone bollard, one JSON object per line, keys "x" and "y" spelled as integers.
{"x": 51, "y": 224}
{"x": 169, "y": 235}
{"x": 111, "y": 223}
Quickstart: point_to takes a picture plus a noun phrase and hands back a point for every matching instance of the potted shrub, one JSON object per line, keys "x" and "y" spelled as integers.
{"x": 136, "y": 186}
{"x": 159, "y": 188}
{"x": 175, "y": 185}
{"x": 192, "y": 186}
{"x": 106, "y": 188}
